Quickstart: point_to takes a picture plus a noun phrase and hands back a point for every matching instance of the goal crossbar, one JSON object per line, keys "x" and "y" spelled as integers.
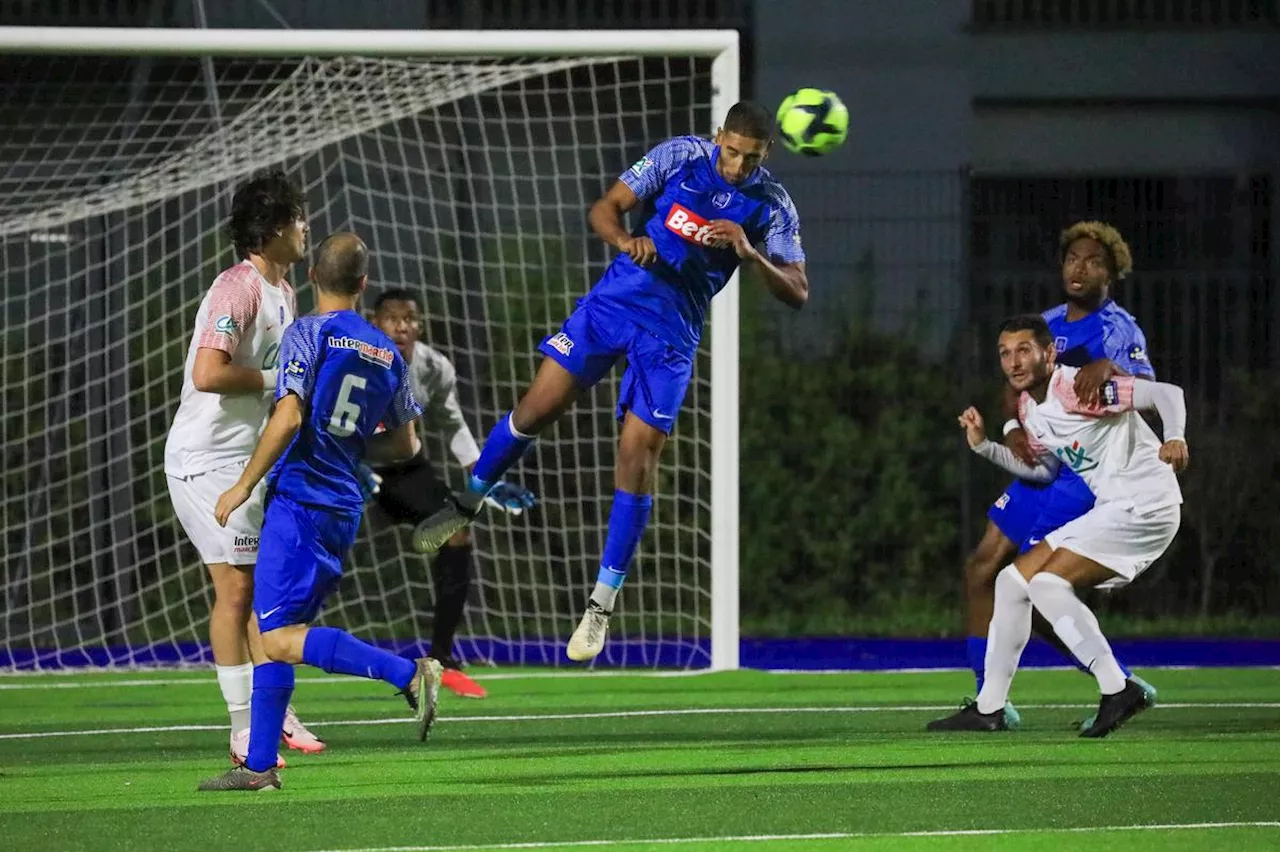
{"x": 127, "y": 41}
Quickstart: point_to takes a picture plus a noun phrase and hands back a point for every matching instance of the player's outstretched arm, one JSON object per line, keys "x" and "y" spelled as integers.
{"x": 788, "y": 282}
{"x": 1044, "y": 470}
{"x": 282, "y": 427}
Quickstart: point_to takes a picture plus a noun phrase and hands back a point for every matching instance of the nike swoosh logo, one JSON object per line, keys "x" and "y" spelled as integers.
{"x": 688, "y": 188}
{"x": 268, "y": 613}
{"x": 661, "y": 416}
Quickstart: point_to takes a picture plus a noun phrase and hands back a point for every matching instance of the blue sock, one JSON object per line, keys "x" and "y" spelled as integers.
{"x": 975, "y": 648}
{"x": 627, "y": 520}
{"x": 502, "y": 449}
{"x": 1128, "y": 673}
{"x": 338, "y": 651}
{"x": 272, "y": 689}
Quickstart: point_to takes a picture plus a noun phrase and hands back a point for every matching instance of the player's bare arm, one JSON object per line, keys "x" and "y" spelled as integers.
{"x": 213, "y": 372}
{"x": 1095, "y": 374}
{"x": 605, "y": 218}
{"x": 788, "y": 282}
{"x": 393, "y": 446}
{"x": 281, "y": 429}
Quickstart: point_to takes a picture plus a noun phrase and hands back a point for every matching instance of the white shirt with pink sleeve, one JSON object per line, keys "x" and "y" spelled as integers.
{"x": 245, "y": 316}
{"x": 1109, "y": 445}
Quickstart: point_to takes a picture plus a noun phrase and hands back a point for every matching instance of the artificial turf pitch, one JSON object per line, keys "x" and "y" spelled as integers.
{"x": 741, "y": 760}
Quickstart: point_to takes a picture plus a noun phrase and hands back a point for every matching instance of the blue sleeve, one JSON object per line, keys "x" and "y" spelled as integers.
{"x": 300, "y": 349}
{"x": 782, "y": 236}
{"x": 403, "y": 408}
{"x": 1125, "y": 345}
{"x": 649, "y": 174}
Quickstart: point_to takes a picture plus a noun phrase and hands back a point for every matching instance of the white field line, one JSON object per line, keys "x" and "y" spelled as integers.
{"x": 835, "y": 835}
{"x": 623, "y": 714}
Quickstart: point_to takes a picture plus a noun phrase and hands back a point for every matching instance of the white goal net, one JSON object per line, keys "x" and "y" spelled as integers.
{"x": 470, "y": 179}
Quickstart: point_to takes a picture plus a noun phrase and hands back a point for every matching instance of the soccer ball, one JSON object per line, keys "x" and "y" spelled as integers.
{"x": 812, "y": 122}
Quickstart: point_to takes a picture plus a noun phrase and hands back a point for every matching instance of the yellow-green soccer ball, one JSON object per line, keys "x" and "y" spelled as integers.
{"x": 812, "y": 122}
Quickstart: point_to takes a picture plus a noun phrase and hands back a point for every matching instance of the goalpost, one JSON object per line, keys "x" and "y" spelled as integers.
{"x": 467, "y": 160}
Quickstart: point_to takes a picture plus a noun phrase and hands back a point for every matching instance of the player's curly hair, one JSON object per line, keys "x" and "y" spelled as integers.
{"x": 261, "y": 209}
{"x": 1117, "y": 249}
{"x": 396, "y": 294}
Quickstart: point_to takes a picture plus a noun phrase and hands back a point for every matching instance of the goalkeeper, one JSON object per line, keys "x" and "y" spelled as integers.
{"x": 410, "y": 491}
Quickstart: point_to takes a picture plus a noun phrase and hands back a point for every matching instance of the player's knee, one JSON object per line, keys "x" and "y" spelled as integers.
{"x": 234, "y": 594}
{"x": 980, "y": 571}
{"x": 279, "y": 648}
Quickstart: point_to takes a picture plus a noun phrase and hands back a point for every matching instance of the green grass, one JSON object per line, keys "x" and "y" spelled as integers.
{"x": 832, "y": 756}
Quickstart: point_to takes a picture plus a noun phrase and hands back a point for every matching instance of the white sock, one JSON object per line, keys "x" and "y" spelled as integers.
{"x": 1078, "y": 628}
{"x": 1006, "y": 637}
{"x": 605, "y": 595}
{"x": 237, "y": 690}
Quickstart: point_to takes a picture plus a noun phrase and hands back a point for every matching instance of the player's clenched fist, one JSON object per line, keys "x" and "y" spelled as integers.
{"x": 1175, "y": 454}
{"x": 971, "y": 422}
{"x": 728, "y": 234}
{"x": 230, "y": 500}
{"x": 641, "y": 250}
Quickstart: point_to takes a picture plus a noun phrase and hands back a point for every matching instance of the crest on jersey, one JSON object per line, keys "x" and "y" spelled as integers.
{"x": 1060, "y": 344}
{"x": 1077, "y": 457}
{"x": 295, "y": 367}
{"x": 225, "y": 325}
{"x": 722, "y": 199}
{"x": 639, "y": 166}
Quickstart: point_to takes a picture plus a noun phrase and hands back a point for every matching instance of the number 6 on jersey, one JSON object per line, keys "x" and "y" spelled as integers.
{"x": 346, "y": 414}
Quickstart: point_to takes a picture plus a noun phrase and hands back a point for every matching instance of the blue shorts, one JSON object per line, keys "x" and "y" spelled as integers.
{"x": 592, "y": 340}
{"x": 1026, "y": 512}
{"x": 300, "y": 558}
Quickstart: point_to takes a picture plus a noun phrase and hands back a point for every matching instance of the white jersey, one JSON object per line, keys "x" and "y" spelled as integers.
{"x": 435, "y": 384}
{"x": 245, "y": 316}
{"x": 1110, "y": 446}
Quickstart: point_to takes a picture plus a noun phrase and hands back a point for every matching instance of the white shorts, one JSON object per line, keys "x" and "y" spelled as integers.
{"x": 194, "y": 498}
{"x": 1118, "y": 538}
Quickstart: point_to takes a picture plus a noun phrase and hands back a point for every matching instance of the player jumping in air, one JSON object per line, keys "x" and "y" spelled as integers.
{"x": 1138, "y": 508}
{"x": 1102, "y": 339}
{"x": 410, "y": 492}
{"x": 227, "y": 383}
{"x": 713, "y": 204}
{"x": 341, "y": 379}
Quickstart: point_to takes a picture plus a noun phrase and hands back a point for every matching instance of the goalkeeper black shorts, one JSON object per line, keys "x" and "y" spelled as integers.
{"x": 411, "y": 491}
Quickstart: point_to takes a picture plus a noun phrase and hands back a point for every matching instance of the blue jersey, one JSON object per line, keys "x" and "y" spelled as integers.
{"x": 678, "y": 178}
{"x": 350, "y": 378}
{"x": 1110, "y": 332}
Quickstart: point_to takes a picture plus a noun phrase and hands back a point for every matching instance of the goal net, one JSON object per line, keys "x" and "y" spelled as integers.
{"x": 470, "y": 178}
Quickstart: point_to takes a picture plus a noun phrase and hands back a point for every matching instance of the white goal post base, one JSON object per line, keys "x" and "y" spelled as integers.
{"x": 470, "y": 158}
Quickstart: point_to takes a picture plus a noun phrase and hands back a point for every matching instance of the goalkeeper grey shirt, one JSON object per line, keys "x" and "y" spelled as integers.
{"x": 435, "y": 388}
